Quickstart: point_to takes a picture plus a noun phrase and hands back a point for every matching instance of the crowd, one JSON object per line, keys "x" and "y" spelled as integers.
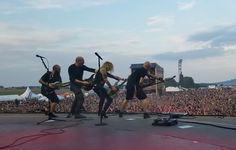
{"x": 193, "y": 102}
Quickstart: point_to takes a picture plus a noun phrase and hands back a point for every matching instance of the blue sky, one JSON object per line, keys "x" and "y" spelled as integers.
{"x": 201, "y": 32}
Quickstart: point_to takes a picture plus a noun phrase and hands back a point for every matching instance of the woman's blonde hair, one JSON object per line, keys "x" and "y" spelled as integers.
{"x": 108, "y": 66}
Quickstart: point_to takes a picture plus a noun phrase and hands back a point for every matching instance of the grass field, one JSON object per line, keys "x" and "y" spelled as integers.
{"x": 19, "y": 91}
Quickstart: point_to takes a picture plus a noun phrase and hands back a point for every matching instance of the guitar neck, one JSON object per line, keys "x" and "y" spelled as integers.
{"x": 154, "y": 82}
{"x": 65, "y": 84}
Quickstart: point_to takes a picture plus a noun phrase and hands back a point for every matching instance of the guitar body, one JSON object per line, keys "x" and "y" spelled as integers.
{"x": 90, "y": 86}
{"x": 114, "y": 93}
{"x": 53, "y": 86}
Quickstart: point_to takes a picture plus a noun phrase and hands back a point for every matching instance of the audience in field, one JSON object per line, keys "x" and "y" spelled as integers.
{"x": 193, "y": 102}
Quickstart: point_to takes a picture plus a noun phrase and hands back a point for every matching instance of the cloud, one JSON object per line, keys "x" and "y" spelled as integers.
{"x": 215, "y": 42}
{"x": 160, "y": 20}
{"x": 217, "y": 37}
{"x": 14, "y": 6}
{"x": 18, "y": 37}
{"x": 30, "y": 38}
{"x": 186, "y": 5}
{"x": 190, "y": 55}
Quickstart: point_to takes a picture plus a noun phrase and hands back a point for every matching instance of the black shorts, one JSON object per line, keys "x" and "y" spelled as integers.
{"x": 140, "y": 94}
{"x": 52, "y": 96}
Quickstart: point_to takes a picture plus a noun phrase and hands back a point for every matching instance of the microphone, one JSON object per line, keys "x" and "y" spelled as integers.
{"x": 98, "y": 55}
{"x": 40, "y": 56}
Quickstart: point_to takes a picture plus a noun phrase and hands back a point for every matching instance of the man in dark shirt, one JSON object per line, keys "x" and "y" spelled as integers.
{"x": 76, "y": 72}
{"x": 48, "y": 88}
{"x": 134, "y": 83}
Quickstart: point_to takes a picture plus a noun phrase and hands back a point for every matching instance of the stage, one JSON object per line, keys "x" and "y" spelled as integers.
{"x": 21, "y": 132}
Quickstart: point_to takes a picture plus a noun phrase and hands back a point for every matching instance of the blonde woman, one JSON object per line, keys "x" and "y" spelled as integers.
{"x": 100, "y": 80}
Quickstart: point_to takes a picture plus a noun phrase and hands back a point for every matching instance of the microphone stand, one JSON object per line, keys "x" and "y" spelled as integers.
{"x": 44, "y": 64}
{"x": 49, "y": 103}
{"x": 101, "y": 116}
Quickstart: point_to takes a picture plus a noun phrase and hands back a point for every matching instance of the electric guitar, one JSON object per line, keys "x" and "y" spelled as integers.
{"x": 53, "y": 86}
{"x": 118, "y": 87}
{"x": 91, "y": 83}
{"x": 154, "y": 82}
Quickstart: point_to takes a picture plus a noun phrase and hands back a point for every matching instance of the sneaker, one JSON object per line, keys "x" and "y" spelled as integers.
{"x": 69, "y": 115}
{"x": 80, "y": 116}
{"x": 146, "y": 116}
{"x": 51, "y": 115}
{"x": 104, "y": 115}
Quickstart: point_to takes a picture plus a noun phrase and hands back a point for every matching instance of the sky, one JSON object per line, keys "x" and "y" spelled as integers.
{"x": 201, "y": 32}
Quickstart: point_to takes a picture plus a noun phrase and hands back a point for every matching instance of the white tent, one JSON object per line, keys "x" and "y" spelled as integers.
{"x": 28, "y": 94}
{"x": 42, "y": 98}
{"x": 10, "y": 97}
{"x": 60, "y": 97}
{"x": 172, "y": 89}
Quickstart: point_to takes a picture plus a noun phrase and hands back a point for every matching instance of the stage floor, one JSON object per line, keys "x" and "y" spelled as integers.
{"x": 132, "y": 132}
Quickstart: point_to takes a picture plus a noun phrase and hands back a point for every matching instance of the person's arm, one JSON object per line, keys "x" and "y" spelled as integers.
{"x": 89, "y": 69}
{"x": 73, "y": 78}
{"x": 141, "y": 81}
{"x": 43, "y": 79}
{"x": 43, "y": 82}
{"x": 71, "y": 74}
{"x": 104, "y": 76}
{"x": 114, "y": 77}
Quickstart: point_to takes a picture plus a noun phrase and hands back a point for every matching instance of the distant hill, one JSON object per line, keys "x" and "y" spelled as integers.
{"x": 228, "y": 82}
{"x": 224, "y": 83}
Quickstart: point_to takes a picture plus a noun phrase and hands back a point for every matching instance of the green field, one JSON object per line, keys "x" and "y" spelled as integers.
{"x": 19, "y": 91}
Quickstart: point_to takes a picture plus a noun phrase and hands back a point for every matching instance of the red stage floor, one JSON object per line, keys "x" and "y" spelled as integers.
{"x": 129, "y": 133}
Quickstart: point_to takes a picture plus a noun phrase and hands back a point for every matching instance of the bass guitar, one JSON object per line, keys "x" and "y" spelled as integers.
{"x": 118, "y": 87}
{"x": 154, "y": 82}
{"x": 53, "y": 86}
{"x": 91, "y": 83}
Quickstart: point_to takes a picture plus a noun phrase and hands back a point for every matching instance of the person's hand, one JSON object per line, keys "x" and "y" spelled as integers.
{"x": 122, "y": 79}
{"x": 161, "y": 79}
{"x": 85, "y": 83}
{"x": 141, "y": 83}
{"x": 50, "y": 85}
{"x": 114, "y": 89}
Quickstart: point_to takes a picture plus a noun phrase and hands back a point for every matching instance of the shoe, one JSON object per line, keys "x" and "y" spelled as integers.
{"x": 51, "y": 115}
{"x": 104, "y": 115}
{"x": 50, "y": 118}
{"x": 146, "y": 116}
{"x": 69, "y": 115}
{"x": 80, "y": 116}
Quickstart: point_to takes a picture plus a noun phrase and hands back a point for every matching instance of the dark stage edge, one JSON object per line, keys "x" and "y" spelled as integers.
{"x": 131, "y": 132}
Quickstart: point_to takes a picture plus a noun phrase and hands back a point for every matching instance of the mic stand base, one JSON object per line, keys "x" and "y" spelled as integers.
{"x": 101, "y": 123}
{"x": 49, "y": 119}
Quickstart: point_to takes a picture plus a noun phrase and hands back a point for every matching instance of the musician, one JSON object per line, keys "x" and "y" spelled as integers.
{"x": 100, "y": 80}
{"x": 134, "y": 83}
{"x": 76, "y": 72}
{"x": 48, "y": 88}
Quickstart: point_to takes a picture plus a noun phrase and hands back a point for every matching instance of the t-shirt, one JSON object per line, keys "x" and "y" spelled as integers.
{"x": 76, "y": 72}
{"x": 135, "y": 76}
{"x": 48, "y": 77}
